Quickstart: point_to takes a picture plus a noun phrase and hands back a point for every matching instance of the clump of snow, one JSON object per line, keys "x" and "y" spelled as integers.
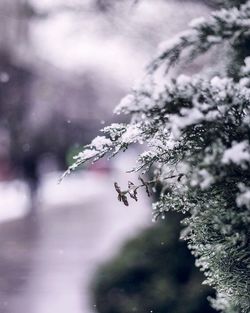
{"x": 131, "y": 135}
{"x": 220, "y": 86}
{"x": 84, "y": 155}
{"x": 244, "y": 82}
{"x": 183, "y": 80}
{"x": 196, "y": 22}
{"x": 169, "y": 44}
{"x": 246, "y": 119}
{"x": 212, "y": 115}
{"x": 244, "y": 197}
{"x": 246, "y": 68}
{"x": 177, "y": 40}
{"x": 214, "y": 39}
{"x": 188, "y": 117}
{"x": 97, "y": 145}
{"x": 14, "y": 200}
{"x": 206, "y": 179}
{"x": 124, "y": 103}
{"x": 203, "y": 179}
{"x": 71, "y": 191}
{"x": 100, "y": 142}
{"x": 239, "y": 153}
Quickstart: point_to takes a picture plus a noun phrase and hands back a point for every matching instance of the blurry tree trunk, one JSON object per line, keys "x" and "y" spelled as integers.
{"x": 15, "y": 83}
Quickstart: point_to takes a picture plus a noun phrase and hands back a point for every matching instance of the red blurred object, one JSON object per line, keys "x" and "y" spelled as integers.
{"x": 5, "y": 170}
{"x": 102, "y": 166}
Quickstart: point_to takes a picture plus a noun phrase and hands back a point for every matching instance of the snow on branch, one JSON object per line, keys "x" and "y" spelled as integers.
{"x": 226, "y": 24}
{"x": 196, "y": 133}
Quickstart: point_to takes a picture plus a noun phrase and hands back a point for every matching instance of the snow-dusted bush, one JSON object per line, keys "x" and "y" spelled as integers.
{"x": 197, "y": 133}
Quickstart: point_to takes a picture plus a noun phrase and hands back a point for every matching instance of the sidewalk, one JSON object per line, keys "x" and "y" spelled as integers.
{"x": 47, "y": 262}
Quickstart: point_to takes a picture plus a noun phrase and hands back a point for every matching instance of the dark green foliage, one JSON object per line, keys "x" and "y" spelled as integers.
{"x": 154, "y": 273}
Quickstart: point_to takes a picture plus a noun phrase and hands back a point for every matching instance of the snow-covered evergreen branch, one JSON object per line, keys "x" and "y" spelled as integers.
{"x": 197, "y": 133}
{"x": 227, "y": 24}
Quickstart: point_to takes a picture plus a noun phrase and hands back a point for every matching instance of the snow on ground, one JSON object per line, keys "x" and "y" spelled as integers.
{"x": 14, "y": 200}
{"x": 75, "y": 189}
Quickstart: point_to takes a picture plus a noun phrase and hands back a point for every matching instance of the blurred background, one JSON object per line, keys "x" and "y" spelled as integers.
{"x": 73, "y": 247}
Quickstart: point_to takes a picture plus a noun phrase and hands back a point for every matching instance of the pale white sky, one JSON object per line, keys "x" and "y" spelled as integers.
{"x": 120, "y": 46}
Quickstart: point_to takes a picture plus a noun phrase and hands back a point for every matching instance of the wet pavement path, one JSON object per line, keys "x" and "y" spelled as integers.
{"x": 47, "y": 261}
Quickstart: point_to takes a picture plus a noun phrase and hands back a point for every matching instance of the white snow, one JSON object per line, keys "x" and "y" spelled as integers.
{"x": 84, "y": 155}
{"x": 197, "y": 21}
{"x": 183, "y": 80}
{"x": 219, "y": 83}
{"x": 214, "y": 39}
{"x": 76, "y": 188}
{"x": 244, "y": 197}
{"x": 189, "y": 117}
{"x": 169, "y": 44}
{"x": 124, "y": 103}
{"x": 131, "y": 135}
{"x": 100, "y": 142}
{"x": 212, "y": 115}
{"x": 244, "y": 81}
{"x": 206, "y": 179}
{"x": 175, "y": 41}
{"x": 14, "y": 200}
{"x": 238, "y": 153}
{"x": 203, "y": 179}
{"x": 246, "y": 68}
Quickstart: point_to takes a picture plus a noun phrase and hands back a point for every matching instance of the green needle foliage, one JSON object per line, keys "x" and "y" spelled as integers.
{"x": 196, "y": 131}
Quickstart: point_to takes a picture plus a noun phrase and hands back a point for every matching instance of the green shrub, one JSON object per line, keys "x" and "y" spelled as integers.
{"x": 155, "y": 272}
